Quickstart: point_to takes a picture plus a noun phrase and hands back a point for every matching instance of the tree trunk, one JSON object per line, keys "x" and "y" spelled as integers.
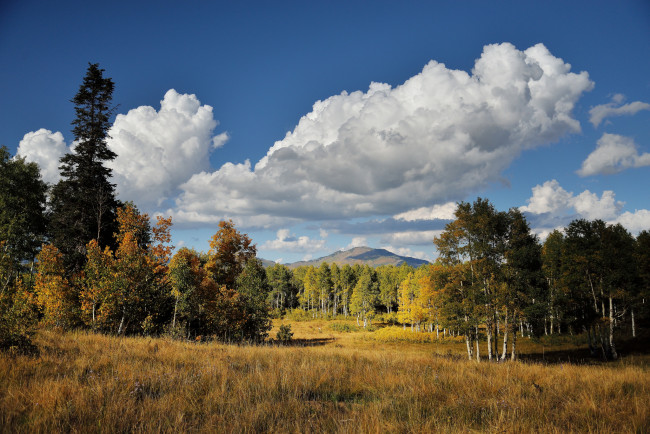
{"x": 469, "y": 345}
{"x": 120, "y": 329}
{"x": 593, "y": 292}
{"x": 612, "y": 348}
{"x": 633, "y": 327}
{"x": 552, "y": 318}
{"x": 513, "y": 355}
{"x": 504, "y": 354}
{"x": 478, "y": 354}
{"x": 174, "y": 318}
{"x": 488, "y": 331}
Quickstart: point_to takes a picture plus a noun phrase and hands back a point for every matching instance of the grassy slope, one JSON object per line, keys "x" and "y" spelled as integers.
{"x": 343, "y": 382}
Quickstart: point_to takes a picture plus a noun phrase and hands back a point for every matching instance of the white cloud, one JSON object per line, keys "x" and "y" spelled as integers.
{"x": 156, "y": 150}
{"x": 548, "y": 198}
{"x": 613, "y": 154}
{"x": 437, "y": 212}
{"x": 44, "y": 148}
{"x": 552, "y": 204}
{"x": 636, "y": 221}
{"x": 159, "y": 150}
{"x": 410, "y": 238}
{"x": 357, "y": 242}
{"x": 440, "y": 135}
{"x": 288, "y": 242}
{"x": 405, "y": 251}
{"x": 591, "y": 207}
{"x": 600, "y": 112}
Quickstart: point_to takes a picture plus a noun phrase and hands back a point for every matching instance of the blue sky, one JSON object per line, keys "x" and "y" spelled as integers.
{"x": 422, "y": 104}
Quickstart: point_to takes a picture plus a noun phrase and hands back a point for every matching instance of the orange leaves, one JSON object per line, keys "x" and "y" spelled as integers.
{"x": 53, "y": 291}
{"x": 229, "y": 252}
{"x": 122, "y": 287}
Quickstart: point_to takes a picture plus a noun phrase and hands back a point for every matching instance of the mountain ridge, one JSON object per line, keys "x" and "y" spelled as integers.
{"x": 359, "y": 255}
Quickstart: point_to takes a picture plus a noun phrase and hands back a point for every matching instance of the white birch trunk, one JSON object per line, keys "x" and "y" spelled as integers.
{"x": 504, "y": 353}
{"x": 611, "y": 328}
{"x": 469, "y": 346}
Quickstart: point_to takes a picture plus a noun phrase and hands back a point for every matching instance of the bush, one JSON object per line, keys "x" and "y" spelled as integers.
{"x": 389, "y": 318}
{"x": 298, "y": 314}
{"x": 17, "y": 320}
{"x": 284, "y": 334}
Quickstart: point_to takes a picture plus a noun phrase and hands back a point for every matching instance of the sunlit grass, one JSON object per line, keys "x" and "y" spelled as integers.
{"x": 331, "y": 381}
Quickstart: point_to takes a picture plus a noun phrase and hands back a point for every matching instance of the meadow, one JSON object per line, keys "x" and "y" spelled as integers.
{"x": 330, "y": 378}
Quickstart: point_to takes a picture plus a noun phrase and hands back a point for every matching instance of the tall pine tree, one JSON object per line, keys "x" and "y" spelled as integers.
{"x": 83, "y": 203}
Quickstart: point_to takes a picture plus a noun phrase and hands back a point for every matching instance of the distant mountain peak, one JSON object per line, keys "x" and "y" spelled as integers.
{"x": 362, "y": 256}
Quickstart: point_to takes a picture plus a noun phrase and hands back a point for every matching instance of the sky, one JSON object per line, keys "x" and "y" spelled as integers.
{"x": 320, "y": 126}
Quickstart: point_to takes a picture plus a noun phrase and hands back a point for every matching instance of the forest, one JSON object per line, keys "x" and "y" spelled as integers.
{"x": 77, "y": 261}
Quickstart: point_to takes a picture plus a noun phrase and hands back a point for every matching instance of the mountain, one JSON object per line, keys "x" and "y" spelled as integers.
{"x": 362, "y": 256}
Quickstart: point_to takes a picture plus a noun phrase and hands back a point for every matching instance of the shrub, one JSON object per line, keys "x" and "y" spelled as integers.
{"x": 284, "y": 334}
{"x": 17, "y": 319}
{"x": 299, "y": 315}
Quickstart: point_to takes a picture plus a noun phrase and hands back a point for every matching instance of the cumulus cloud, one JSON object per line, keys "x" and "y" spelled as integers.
{"x": 613, "y": 154}
{"x": 436, "y": 212}
{"x": 156, "y": 150}
{"x": 592, "y": 207}
{"x": 44, "y": 148}
{"x": 438, "y": 136}
{"x": 636, "y": 221}
{"x": 358, "y": 242}
{"x": 615, "y": 108}
{"x": 552, "y": 206}
{"x": 405, "y": 251}
{"x": 549, "y": 197}
{"x": 410, "y": 238}
{"x": 286, "y": 241}
{"x": 159, "y": 150}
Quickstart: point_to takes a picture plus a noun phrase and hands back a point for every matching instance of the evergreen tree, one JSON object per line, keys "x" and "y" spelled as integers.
{"x": 22, "y": 212}
{"x": 83, "y": 203}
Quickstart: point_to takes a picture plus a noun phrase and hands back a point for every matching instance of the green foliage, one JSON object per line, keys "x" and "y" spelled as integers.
{"x": 344, "y": 327}
{"x": 284, "y": 333}
{"x": 298, "y": 314}
{"x": 22, "y": 209}
{"x": 128, "y": 291}
{"x": 254, "y": 290}
{"x": 365, "y": 296}
{"x": 283, "y": 294}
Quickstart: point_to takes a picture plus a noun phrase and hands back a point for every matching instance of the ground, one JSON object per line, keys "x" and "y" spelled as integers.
{"x": 330, "y": 378}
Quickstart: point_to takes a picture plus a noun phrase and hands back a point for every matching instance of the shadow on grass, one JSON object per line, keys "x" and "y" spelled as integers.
{"x": 317, "y": 342}
{"x": 583, "y": 356}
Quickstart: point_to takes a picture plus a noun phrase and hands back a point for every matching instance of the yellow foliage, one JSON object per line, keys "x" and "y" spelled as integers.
{"x": 53, "y": 291}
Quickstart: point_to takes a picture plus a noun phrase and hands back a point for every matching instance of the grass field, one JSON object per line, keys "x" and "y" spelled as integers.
{"x": 327, "y": 380}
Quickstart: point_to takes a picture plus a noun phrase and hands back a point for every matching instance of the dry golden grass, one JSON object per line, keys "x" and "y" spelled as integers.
{"x": 344, "y": 382}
